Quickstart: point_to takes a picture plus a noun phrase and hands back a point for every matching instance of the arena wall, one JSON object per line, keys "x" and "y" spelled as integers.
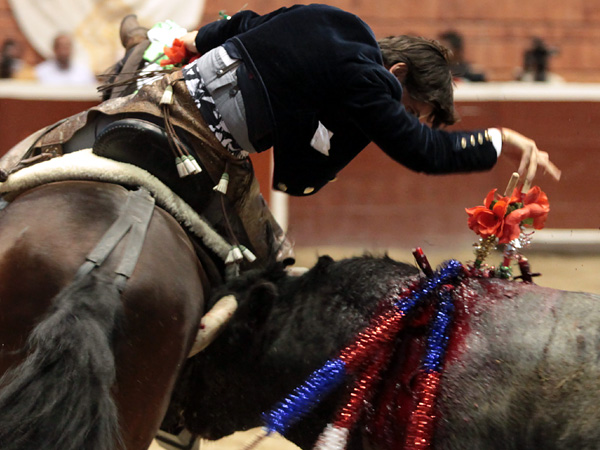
{"x": 496, "y": 32}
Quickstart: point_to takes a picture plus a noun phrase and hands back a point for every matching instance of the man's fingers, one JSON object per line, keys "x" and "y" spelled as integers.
{"x": 554, "y": 171}
{"x": 524, "y": 164}
{"x": 533, "y": 163}
{"x": 551, "y": 168}
{"x": 531, "y": 170}
{"x": 531, "y": 157}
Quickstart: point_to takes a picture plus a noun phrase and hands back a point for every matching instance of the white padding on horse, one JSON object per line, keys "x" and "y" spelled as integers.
{"x": 85, "y": 165}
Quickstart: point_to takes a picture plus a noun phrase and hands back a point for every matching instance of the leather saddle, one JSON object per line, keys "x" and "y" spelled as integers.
{"x": 146, "y": 145}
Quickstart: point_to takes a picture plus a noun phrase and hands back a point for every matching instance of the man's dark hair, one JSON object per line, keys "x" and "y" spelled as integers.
{"x": 428, "y": 77}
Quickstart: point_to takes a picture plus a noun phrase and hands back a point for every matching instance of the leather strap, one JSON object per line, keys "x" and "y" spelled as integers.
{"x": 131, "y": 66}
{"x": 134, "y": 220}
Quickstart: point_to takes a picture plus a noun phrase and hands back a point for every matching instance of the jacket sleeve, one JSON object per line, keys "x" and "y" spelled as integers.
{"x": 374, "y": 106}
{"x": 216, "y": 33}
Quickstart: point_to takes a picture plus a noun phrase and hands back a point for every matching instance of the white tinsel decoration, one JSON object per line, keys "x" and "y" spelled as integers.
{"x": 332, "y": 438}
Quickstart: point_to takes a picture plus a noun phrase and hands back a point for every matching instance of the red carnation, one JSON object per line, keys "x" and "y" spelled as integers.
{"x": 533, "y": 213}
{"x": 488, "y": 220}
{"x": 503, "y": 217}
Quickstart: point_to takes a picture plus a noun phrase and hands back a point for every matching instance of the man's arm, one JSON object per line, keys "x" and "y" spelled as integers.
{"x": 374, "y": 105}
{"x": 387, "y": 123}
{"x": 216, "y": 33}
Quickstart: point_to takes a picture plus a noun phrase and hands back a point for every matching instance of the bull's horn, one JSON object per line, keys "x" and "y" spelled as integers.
{"x": 212, "y": 322}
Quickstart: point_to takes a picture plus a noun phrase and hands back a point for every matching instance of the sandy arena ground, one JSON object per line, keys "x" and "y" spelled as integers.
{"x": 575, "y": 270}
{"x": 565, "y": 271}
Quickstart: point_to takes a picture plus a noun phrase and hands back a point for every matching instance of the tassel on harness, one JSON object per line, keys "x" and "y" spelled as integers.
{"x": 186, "y": 164}
{"x": 223, "y": 184}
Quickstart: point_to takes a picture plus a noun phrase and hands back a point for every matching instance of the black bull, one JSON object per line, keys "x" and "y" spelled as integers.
{"x": 522, "y": 370}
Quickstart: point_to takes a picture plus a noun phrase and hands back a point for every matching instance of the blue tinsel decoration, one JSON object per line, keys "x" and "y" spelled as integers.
{"x": 305, "y": 397}
{"x": 446, "y": 274}
{"x": 437, "y": 340}
{"x": 325, "y": 379}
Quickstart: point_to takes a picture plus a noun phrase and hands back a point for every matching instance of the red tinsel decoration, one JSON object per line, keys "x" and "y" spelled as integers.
{"x": 362, "y": 391}
{"x": 420, "y": 428}
{"x": 383, "y": 329}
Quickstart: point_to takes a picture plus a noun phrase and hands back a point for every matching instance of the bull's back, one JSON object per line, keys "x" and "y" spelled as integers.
{"x": 523, "y": 369}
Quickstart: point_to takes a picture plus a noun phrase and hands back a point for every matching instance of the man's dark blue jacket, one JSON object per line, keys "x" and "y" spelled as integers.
{"x": 314, "y": 63}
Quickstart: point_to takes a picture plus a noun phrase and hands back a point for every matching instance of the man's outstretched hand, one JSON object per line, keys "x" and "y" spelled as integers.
{"x": 517, "y": 146}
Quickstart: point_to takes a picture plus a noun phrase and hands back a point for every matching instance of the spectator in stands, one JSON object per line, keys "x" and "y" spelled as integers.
{"x": 62, "y": 69}
{"x": 10, "y": 59}
{"x": 536, "y": 63}
{"x": 461, "y": 69}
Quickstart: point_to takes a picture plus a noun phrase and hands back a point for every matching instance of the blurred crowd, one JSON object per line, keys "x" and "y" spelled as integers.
{"x": 535, "y": 66}
{"x": 61, "y": 68}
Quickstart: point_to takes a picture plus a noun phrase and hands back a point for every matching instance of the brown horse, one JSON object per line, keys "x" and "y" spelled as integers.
{"x": 109, "y": 359}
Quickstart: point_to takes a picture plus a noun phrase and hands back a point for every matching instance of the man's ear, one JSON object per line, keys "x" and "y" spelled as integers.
{"x": 399, "y": 70}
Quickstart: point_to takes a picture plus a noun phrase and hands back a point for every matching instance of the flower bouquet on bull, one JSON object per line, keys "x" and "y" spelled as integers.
{"x": 508, "y": 220}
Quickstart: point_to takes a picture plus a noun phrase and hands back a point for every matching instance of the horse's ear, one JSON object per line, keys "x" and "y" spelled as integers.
{"x": 323, "y": 262}
{"x": 254, "y": 311}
